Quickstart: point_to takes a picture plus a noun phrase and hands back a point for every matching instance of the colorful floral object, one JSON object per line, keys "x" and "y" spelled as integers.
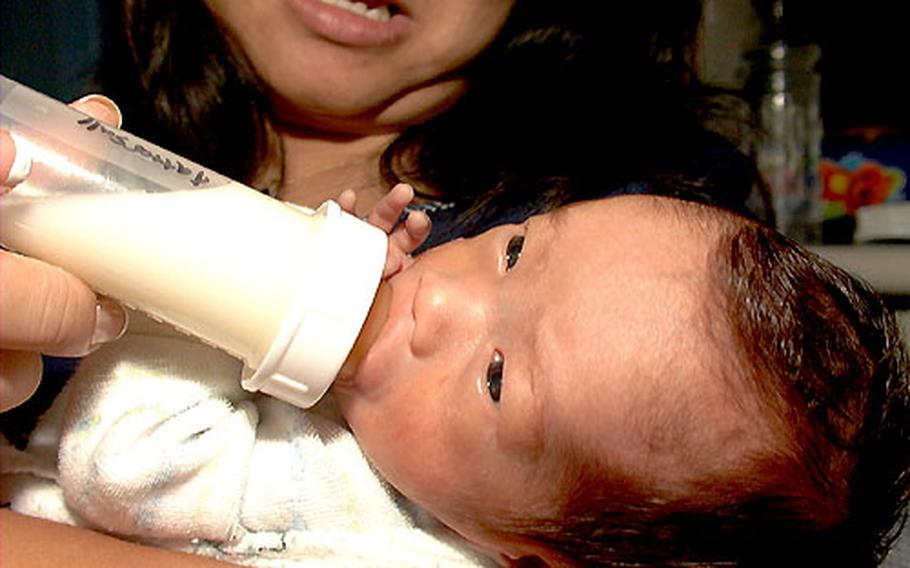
{"x": 854, "y": 182}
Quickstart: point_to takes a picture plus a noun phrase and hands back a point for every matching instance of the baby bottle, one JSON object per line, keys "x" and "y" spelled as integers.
{"x": 284, "y": 288}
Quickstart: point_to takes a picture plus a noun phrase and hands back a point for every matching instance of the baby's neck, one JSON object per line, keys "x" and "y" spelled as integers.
{"x": 318, "y": 167}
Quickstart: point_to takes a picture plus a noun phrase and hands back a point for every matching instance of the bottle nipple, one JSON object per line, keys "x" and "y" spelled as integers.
{"x": 376, "y": 318}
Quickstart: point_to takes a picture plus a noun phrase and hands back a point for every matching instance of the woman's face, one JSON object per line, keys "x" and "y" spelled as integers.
{"x": 331, "y": 67}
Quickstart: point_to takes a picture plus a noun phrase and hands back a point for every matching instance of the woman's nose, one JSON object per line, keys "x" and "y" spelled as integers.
{"x": 448, "y": 311}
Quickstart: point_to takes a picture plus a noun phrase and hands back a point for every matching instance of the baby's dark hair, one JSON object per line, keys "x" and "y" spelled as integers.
{"x": 824, "y": 357}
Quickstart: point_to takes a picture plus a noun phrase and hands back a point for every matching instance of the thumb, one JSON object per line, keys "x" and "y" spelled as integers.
{"x": 14, "y": 167}
{"x": 100, "y": 107}
{"x": 45, "y": 309}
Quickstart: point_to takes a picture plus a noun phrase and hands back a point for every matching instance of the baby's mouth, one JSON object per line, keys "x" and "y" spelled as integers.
{"x": 375, "y": 11}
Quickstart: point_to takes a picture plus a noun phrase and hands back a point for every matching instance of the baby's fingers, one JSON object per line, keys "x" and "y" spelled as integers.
{"x": 411, "y": 233}
{"x": 389, "y": 209}
{"x": 347, "y": 200}
{"x": 403, "y": 240}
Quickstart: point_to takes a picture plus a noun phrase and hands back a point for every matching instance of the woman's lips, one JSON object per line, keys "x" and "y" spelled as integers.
{"x": 343, "y": 26}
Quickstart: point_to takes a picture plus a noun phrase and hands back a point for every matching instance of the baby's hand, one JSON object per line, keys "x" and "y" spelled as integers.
{"x": 405, "y": 237}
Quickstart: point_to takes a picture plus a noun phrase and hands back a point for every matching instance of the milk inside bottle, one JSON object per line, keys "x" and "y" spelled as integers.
{"x": 285, "y": 289}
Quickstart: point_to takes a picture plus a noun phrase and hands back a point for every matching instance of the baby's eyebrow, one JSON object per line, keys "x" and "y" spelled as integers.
{"x": 541, "y": 426}
{"x": 558, "y": 218}
{"x": 543, "y": 235}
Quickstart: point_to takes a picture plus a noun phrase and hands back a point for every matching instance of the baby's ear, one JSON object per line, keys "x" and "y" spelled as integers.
{"x": 531, "y": 555}
{"x": 518, "y": 552}
{"x": 531, "y": 561}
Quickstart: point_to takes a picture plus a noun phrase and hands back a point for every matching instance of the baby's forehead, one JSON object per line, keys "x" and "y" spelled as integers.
{"x": 650, "y": 235}
{"x": 653, "y": 208}
{"x": 646, "y": 374}
{"x": 671, "y": 434}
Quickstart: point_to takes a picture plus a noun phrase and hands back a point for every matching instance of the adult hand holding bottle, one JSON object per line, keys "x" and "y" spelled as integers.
{"x": 44, "y": 309}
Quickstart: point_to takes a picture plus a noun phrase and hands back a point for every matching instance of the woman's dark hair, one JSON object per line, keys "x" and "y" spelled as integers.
{"x": 572, "y": 100}
{"x": 576, "y": 101}
{"x": 183, "y": 83}
{"x": 824, "y": 357}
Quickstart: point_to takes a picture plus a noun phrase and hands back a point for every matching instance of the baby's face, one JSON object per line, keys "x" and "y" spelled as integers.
{"x": 502, "y": 351}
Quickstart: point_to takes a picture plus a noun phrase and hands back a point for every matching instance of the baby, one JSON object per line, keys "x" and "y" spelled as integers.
{"x": 630, "y": 381}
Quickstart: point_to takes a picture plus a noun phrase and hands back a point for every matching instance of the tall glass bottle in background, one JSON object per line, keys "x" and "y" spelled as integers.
{"x": 786, "y": 88}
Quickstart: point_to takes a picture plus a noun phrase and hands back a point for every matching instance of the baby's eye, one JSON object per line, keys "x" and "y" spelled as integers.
{"x": 494, "y": 377}
{"x": 513, "y": 250}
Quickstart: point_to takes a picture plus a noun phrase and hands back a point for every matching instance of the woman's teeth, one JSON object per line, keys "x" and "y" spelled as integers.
{"x": 379, "y": 14}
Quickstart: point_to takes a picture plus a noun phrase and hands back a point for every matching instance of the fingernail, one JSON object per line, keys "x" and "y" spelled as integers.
{"x": 105, "y": 104}
{"x": 22, "y": 164}
{"x": 407, "y": 187}
{"x": 20, "y": 375}
{"x": 110, "y": 322}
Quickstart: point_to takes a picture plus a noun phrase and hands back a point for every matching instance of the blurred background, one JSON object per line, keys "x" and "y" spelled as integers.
{"x": 864, "y": 50}
{"x": 51, "y": 45}
{"x": 857, "y": 54}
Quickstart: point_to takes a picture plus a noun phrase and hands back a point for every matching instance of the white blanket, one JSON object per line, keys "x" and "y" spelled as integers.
{"x": 154, "y": 440}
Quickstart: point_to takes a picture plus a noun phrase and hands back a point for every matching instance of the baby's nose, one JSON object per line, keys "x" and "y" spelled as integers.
{"x": 448, "y": 311}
